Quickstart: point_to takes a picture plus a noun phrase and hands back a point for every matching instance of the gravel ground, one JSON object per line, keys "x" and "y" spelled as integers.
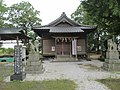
{"x": 84, "y": 74}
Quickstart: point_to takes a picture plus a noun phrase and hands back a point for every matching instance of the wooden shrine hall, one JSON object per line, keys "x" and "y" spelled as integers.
{"x": 64, "y": 38}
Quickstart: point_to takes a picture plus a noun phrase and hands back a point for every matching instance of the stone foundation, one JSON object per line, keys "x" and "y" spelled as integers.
{"x": 111, "y": 65}
{"x": 34, "y": 64}
{"x": 64, "y": 58}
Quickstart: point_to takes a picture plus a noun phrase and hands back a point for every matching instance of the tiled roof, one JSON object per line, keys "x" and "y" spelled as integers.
{"x": 63, "y": 24}
{"x": 63, "y": 18}
{"x": 10, "y": 31}
{"x": 65, "y": 30}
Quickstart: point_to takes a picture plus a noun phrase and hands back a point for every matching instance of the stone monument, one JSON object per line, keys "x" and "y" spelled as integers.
{"x": 34, "y": 64}
{"x": 112, "y": 61}
{"x": 18, "y": 64}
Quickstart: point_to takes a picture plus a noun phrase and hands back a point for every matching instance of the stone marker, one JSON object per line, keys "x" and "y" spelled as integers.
{"x": 18, "y": 65}
{"x": 112, "y": 61}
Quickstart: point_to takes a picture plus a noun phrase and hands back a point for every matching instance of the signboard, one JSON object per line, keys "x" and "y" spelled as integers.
{"x": 18, "y": 59}
{"x": 53, "y": 48}
{"x": 74, "y": 47}
{"x": 79, "y": 48}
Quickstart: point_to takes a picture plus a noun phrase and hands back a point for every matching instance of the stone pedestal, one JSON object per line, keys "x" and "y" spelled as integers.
{"x": 34, "y": 64}
{"x": 112, "y": 61}
{"x": 20, "y": 76}
{"x": 111, "y": 65}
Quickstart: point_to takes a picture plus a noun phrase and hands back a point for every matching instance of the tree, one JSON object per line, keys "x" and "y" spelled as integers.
{"x": 81, "y": 16}
{"x": 3, "y": 10}
{"x": 105, "y": 14}
{"x": 23, "y": 15}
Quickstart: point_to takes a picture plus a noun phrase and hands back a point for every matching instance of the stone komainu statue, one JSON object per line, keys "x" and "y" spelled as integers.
{"x": 112, "y": 45}
{"x": 34, "y": 47}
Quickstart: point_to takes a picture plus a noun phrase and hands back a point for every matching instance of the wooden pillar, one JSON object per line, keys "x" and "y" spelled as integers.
{"x": 62, "y": 46}
{"x": 70, "y": 48}
{"x": 55, "y": 47}
{"x": 76, "y": 49}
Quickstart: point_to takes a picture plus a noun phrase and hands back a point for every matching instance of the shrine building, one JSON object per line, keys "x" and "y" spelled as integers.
{"x": 64, "y": 38}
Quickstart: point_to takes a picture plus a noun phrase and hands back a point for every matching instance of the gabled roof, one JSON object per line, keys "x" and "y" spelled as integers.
{"x": 63, "y": 18}
{"x": 63, "y": 24}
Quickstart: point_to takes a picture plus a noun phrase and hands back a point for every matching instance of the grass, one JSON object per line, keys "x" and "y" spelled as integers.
{"x": 5, "y": 71}
{"x": 59, "y": 85}
{"x": 113, "y": 84}
{"x": 37, "y": 85}
{"x": 33, "y": 85}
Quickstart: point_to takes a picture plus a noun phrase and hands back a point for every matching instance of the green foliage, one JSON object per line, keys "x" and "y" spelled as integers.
{"x": 23, "y": 15}
{"x": 81, "y": 16}
{"x": 3, "y": 10}
{"x": 6, "y": 51}
{"x": 105, "y": 14}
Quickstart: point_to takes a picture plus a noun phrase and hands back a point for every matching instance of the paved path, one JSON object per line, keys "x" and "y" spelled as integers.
{"x": 81, "y": 72}
{"x": 84, "y": 74}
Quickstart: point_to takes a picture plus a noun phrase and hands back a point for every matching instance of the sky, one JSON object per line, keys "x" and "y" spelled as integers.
{"x": 49, "y": 9}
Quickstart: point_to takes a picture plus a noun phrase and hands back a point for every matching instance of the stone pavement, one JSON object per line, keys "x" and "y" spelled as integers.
{"x": 84, "y": 73}
{"x": 80, "y": 72}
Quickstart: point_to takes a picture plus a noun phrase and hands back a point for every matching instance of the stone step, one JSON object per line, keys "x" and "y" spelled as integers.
{"x": 64, "y": 59}
{"x": 63, "y": 56}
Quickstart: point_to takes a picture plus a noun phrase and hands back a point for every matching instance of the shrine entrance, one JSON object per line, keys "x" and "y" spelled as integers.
{"x": 65, "y": 47}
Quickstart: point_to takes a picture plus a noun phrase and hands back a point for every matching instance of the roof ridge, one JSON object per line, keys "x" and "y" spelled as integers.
{"x": 63, "y": 16}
